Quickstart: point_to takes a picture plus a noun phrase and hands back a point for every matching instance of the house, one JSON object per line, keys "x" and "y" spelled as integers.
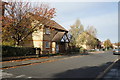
{"x": 50, "y": 37}
{"x": 116, "y": 45}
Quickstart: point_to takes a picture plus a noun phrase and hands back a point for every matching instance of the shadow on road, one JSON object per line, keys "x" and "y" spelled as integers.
{"x": 87, "y": 72}
{"x": 84, "y": 73}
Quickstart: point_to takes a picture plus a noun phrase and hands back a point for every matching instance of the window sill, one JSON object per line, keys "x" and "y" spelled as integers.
{"x": 47, "y": 34}
{"x": 47, "y": 48}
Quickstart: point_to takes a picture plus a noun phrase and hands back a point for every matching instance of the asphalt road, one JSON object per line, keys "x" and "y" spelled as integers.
{"x": 114, "y": 72}
{"x": 88, "y": 66}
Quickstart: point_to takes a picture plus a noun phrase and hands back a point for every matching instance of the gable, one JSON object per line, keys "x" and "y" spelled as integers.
{"x": 64, "y": 38}
{"x": 60, "y": 37}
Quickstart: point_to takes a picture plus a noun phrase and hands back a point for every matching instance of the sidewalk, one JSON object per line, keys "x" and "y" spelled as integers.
{"x": 15, "y": 63}
{"x": 114, "y": 72}
{"x": 7, "y": 64}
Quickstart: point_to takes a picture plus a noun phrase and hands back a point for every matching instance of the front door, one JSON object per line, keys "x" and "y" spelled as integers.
{"x": 57, "y": 48}
{"x": 62, "y": 48}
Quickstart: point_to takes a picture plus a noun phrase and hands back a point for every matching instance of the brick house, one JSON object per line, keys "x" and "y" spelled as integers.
{"x": 50, "y": 37}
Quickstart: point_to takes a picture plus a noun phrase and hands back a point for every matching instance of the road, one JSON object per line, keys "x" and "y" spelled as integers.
{"x": 88, "y": 66}
{"x": 114, "y": 72}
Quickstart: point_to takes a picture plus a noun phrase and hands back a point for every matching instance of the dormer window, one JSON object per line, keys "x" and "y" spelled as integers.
{"x": 47, "y": 31}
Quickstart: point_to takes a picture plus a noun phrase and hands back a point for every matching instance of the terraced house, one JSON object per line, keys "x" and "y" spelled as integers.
{"x": 50, "y": 37}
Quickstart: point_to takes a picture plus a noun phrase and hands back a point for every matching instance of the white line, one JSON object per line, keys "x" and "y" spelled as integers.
{"x": 29, "y": 77}
{"x": 106, "y": 70}
{"x": 19, "y": 76}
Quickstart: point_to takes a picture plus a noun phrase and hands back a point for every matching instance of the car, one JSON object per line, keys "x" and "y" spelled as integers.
{"x": 116, "y": 51}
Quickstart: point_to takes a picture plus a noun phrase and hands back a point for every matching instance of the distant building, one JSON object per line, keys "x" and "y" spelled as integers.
{"x": 102, "y": 44}
{"x": 114, "y": 45}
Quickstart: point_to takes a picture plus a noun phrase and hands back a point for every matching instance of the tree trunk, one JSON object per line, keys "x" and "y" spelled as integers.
{"x": 17, "y": 43}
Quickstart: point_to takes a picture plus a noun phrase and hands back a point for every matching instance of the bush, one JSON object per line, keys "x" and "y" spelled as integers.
{"x": 82, "y": 50}
{"x": 73, "y": 50}
{"x": 8, "y": 51}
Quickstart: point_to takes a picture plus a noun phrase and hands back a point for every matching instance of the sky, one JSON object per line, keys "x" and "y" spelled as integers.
{"x": 102, "y": 15}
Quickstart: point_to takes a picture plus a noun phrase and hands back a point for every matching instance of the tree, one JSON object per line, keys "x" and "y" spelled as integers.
{"x": 91, "y": 30}
{"x": 87, "y": 39}
{"x": 80, "y": 37}
{"x": 75, "y": 31}
{"x": 107, "y": 44}
{"x": 16, "y": 23}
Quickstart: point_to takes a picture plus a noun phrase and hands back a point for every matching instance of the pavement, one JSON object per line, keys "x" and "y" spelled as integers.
{"x": 23, "y": 62}
{"x": 114, "y": 72}
{"x": 29, "y": 61}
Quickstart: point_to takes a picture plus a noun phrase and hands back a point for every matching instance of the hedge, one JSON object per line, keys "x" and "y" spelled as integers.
{"x": 8, "y": 51}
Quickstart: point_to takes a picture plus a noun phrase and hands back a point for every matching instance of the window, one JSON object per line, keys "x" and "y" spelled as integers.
{"x": 47, "y": 44}
{"x": 47, "y": 31}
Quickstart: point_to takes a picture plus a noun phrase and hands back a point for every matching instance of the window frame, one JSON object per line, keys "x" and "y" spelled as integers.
{"x": 47, "y": 30}
{"x": 47, "y": 44}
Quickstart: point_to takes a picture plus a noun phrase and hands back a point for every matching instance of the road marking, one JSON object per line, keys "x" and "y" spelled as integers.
{"x": 19, "y": 76}
{"x": 29, "y": 77}
{"x": 6, "y": 75}
{"x": 106, "y": 70}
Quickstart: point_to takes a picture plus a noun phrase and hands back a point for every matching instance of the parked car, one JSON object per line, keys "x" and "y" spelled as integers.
{"x": 116, "y": 51}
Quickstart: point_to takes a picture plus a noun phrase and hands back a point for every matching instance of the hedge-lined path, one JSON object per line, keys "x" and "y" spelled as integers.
{"x": 32, "y": 61}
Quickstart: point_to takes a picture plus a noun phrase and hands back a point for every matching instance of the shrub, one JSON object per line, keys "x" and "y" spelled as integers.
{"x": 8, "y": 51}
{"x": 73, "y": 50}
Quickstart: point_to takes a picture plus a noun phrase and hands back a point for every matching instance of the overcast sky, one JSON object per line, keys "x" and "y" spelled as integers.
{"x": 102, "y": 15}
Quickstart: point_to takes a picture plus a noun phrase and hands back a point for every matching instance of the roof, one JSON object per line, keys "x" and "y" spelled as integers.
{"x": 48, "y": 22}
{"x": 58, "y": 36}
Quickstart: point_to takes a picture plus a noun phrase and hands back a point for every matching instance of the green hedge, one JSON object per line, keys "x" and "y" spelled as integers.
{"x": 73, "y": 50}
{"x": 8, "y": 51}
{"x": 76, "y": 50}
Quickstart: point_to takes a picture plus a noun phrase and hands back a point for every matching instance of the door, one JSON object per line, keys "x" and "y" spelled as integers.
{"x": 57, "y": 48}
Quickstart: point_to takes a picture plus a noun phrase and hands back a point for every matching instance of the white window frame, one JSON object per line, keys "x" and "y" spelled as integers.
{"x": 47, "y": 44}
{"x": 47, "y": 31}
